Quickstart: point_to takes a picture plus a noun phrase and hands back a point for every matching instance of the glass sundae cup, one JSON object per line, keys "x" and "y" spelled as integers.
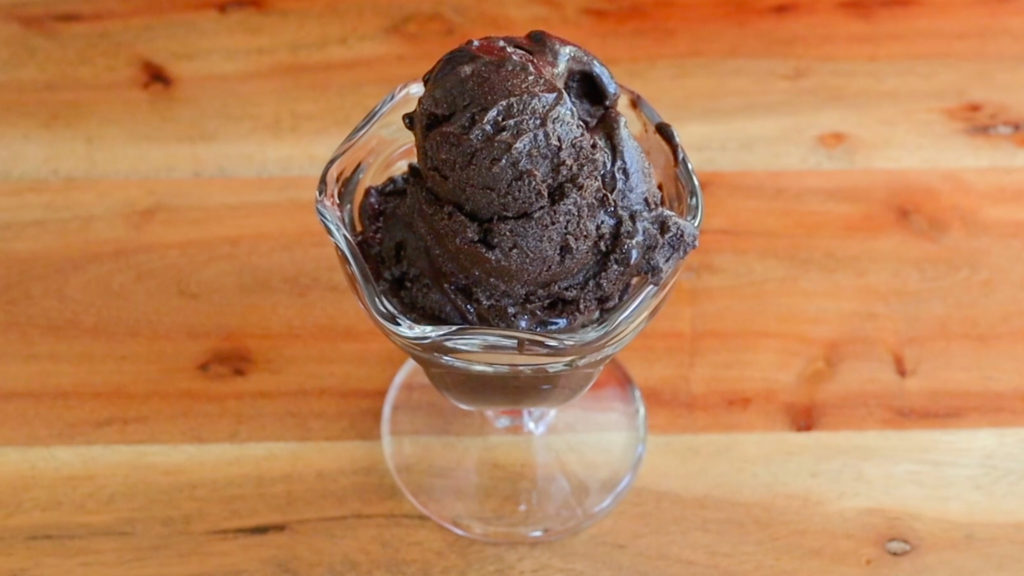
{"x": 498, "y": 434}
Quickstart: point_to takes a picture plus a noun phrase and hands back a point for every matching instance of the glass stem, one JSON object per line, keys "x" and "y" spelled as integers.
{"x": 530, "y": 420}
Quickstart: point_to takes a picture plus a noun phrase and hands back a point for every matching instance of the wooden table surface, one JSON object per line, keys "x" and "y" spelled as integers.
{"x": 188, "y": 386}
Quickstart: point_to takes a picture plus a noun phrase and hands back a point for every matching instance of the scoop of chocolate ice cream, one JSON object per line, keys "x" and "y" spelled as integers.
{"x": 531, "y": 206}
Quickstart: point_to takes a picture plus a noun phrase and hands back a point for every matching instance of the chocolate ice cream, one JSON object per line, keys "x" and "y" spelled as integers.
{"x": 530, "y": 206}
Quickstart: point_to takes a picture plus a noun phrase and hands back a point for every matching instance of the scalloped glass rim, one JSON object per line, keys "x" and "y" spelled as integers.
{"x": 335, "y": 207}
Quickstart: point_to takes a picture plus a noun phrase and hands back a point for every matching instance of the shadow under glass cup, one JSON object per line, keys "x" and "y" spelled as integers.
{"x": 497, "y": 434}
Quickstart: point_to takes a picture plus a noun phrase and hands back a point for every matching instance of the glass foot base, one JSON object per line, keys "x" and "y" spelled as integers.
{"x": 516, "y": 475}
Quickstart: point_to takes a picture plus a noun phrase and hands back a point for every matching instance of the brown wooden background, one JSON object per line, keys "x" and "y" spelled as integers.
{"x": 188, "y": 387}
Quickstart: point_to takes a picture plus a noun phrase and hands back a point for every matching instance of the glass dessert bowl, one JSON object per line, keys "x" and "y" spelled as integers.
{"x": 498, "y": 434}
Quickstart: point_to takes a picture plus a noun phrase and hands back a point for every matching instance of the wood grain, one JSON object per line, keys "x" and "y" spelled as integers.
{"x": 188, "y": 388}
{"x": 250, "y": 88}
{"x": 215, "y": 310}
{"x": 939, "y": 503}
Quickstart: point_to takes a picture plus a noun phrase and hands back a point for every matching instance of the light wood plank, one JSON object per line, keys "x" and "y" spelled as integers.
{"x": 211, "y": 37}
{"x": 717, "y": 505}
{"x": 229, "y": 88}
{"x": 214, "y": 310}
